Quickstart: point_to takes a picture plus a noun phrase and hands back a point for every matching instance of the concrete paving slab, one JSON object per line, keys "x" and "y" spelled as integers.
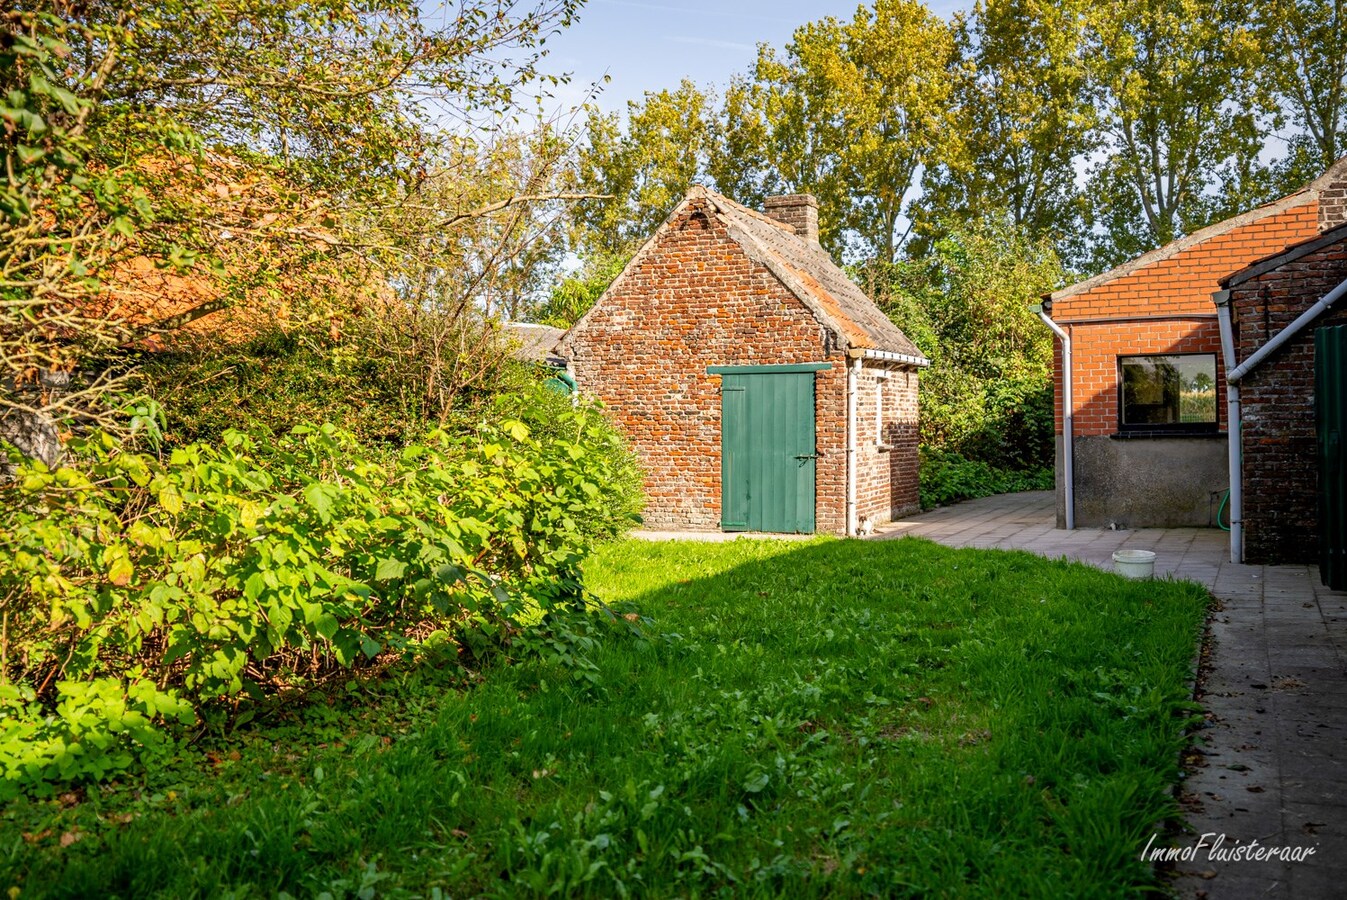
{"x": 1275, "y": 693}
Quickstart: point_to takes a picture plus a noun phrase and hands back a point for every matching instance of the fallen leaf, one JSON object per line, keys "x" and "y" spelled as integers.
{"x": 71, "y": 837}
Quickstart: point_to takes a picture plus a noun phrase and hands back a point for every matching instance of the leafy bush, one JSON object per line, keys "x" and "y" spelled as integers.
{"x": 387, "y": 376}
{"x": 948, "y": 478}
{"x": 139, "y": 592}
{"x": 966, "y": 304}
{"x": 551, "y": 415}
{"x": 1006, "y": 422}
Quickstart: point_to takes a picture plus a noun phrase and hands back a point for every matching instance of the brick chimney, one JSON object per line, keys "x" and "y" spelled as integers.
{"x": 800, "y": 210}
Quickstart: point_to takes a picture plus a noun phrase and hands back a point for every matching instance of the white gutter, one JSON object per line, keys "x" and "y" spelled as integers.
{"x": 1068, "y": 421}
{"x": 1234, "y": 427}
{"x": 920, "y": 362}
{"x": 1234, "y": 411}
{"x": 853, "y": 376}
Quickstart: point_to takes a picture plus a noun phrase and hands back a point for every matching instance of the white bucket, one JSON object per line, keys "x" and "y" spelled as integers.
{"x": 1134, "y": 563}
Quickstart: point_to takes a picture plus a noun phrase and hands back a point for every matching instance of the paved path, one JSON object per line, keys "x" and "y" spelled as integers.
{"x": 1272, "y": 766}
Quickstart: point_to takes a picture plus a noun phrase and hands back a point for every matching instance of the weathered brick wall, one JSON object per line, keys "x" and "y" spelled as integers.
{"x": 1167, "y": 308}
{"x": 696, "y": 301}
{"x": 886, "y": 451}
{"x": 1278, "y": 436}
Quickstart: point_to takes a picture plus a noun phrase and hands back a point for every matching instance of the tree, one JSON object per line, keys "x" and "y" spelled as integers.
{"x": 1173, "y": 81}
{"x": 852, "y": 112}
{"x": 1024, "y": 115}
{"x": 966, "y": 304}
{"x": 578, "y": 292}
{"x": 266, "y": 152}
{"x": 647, "y": 168}
{"x": 1305, "y": 67}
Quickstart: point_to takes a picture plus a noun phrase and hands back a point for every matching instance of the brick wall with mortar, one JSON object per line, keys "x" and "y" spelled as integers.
{"x": 886, "y": 441}
{"x": 1278, "y": 435}
{"x": 695, "y": 300}
{"x": 1166, "y": 308}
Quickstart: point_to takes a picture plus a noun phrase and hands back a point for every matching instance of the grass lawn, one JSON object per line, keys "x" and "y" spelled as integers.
{"x": 799, "y": 719}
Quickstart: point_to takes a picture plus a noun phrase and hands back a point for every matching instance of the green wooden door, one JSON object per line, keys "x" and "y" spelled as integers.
{"x": 767, "y": 462}
{"x": 1330, "y": 407}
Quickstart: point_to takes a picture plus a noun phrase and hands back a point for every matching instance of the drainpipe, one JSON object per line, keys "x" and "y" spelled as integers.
{"x": 1234, "y": 415}
{"x": 1068, "y": 419}
{"x": 1234, "y": 427}
{"x": 853, "y": 379}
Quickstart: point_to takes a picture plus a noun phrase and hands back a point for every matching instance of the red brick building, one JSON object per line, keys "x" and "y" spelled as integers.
{"x": 761, "y": 388}
{"x": 1274, "y": 311}
{"x": 1147, "y": 420}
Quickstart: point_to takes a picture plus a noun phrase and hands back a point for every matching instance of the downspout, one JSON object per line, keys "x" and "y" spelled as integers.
{"x": 1068, "y": 419}
{"x": 1233, "y": 374}
{"x": 853, "y": 379}
{"x": 1234, "y": 427}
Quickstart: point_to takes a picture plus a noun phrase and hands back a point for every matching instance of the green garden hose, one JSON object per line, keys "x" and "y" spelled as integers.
{"x": 1224, "y": 500}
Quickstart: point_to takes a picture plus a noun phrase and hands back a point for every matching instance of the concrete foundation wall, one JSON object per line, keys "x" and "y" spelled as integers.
{"x": 1164, "y": 482}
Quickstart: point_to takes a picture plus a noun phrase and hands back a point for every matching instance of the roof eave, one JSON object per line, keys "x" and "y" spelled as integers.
{"x": 919, "y": 362}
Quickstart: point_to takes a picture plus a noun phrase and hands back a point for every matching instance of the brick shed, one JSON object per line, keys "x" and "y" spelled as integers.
{"x": 1146, "y": 416}
{"x": 1273, "y": 368}
{"x": 761, "y": 388}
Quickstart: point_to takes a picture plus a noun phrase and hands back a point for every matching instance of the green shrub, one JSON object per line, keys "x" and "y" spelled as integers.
{"x": 139, "y": 591}
{"x": 1004, "y": 421}
{"x": 552, "y": 415}
{"x": 948, "y": 478}
{"x": 279, "y": 379}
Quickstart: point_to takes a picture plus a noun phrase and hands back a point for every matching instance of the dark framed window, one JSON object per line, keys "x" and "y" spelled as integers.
{"x": 1175, "y": 392}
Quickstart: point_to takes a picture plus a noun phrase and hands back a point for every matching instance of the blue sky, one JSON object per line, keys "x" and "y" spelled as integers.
{"x": 646, "y": 45}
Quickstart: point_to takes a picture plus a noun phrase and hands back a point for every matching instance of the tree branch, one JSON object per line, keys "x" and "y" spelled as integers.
{"x": 515, "y": 200}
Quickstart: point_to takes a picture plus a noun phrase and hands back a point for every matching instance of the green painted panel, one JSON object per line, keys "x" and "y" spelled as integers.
{"x": 733, "y": 457}
{"x": 1330, "y": 411}
{"x": 768, "y": 461}
{"x": 766, "y": 370}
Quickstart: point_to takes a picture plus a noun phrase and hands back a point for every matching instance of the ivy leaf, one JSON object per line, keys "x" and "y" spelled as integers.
{"x": 29, "y": 155}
